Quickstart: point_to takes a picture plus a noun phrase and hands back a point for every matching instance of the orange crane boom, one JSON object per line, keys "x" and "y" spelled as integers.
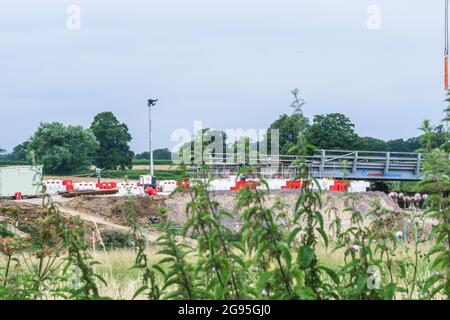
{"x": 446, "y": 48}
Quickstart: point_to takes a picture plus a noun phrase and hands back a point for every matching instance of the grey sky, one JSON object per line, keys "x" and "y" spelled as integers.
{"x": 228, "y": 63}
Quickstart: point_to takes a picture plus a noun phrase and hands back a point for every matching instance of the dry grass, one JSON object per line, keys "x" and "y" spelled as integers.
{"x": 116, "y": 268}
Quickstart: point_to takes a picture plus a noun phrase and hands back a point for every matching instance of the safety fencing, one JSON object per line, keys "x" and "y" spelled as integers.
{"x": 54, "y": 186}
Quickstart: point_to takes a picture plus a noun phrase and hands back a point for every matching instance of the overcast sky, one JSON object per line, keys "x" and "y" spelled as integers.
{"x": 228, "y": 63}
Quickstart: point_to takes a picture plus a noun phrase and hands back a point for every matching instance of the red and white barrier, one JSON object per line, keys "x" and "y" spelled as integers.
{"x": 167, "y": 185}
{"x": 358, "y": 186}
{"x": 85, "y": 186}
{"x": 130, "y": 190}
{"x": 275, "y": 184}
{"x": 54, "y": 186}
{"x": 222, "y": 184}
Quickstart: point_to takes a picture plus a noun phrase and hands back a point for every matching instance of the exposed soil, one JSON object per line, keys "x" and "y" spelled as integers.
{"x": 117, "y": 209}
{"x": 27, "y": 218}
{"x": 334, "y": 204}
{"x": 112, "y": 213}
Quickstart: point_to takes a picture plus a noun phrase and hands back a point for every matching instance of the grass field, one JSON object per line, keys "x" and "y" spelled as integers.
{"x": 121, "y": 175}
{"x": 123, "y": 281}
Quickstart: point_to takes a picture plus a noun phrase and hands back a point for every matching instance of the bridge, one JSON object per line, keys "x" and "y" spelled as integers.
{"x": 340, "y": 164}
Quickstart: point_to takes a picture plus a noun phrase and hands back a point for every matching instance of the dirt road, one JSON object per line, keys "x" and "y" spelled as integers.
{"x": 90, "y": 218}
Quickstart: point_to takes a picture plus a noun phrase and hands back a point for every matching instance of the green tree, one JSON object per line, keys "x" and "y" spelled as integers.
{"x": 289, "y": 128}
{"x": 142, "y": 156}
{"x": 162, "y": 154}
{"x": 113, "y": 137}
{"x": 207, "y": 139}
{"x": 435, "y": 138}
{"x": 20, "y": 151}
{"x": 158, "y": 154}
{"x": 413, "y": 144}
{"x": 332, "y": 131}
{"x": 63, "y": 149}
{"x": 400, "y": 145}
{"x": 370, "y": 144}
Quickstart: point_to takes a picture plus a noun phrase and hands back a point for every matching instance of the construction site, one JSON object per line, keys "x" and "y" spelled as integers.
{"x": 343, "y": 195}
{"x": 341, "y": 176}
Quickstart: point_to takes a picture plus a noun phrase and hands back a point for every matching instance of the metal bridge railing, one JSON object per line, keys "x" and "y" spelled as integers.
{"x": 323, "y": 162}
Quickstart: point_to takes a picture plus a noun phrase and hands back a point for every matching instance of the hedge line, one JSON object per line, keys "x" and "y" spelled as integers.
{"x": 13, "y": 163}
{"x": 135, "y": 174}
{"x": 145, "y": 161}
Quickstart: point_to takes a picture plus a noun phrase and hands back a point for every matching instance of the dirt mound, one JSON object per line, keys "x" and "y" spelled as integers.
{"x": 26, "y": 219}
{"x": 117, "y": 209}
{"x": 334, "y": 203}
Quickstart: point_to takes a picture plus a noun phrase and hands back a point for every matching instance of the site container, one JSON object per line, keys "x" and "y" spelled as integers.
{"x": 24, "y": 179}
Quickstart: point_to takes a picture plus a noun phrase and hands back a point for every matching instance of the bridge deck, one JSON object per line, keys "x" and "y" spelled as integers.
{"x": 361, "y": 165}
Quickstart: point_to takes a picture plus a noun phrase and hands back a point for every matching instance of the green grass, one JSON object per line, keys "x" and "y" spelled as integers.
{"x": 145, "y": 162}
{"x": 13, "y": 163}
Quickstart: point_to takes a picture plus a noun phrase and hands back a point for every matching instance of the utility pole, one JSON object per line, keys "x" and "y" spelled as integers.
{"x": 151, "y": 103}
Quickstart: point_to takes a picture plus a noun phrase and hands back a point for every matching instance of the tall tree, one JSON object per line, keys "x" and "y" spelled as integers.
{"x": 289, "y": 128}
{"x": 20, "y": 151}
{"x": 63, "y": 149}
{"x": 332, "y": 131}
{"x": 437, "y": 137}
{"x": 208, "y": 139}
{"x": 113, "y": 138}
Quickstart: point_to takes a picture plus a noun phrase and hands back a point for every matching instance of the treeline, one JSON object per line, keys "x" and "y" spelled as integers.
{"x": 158, "y": 154}
{"x": 105, "y": 144}
{"x": 335, "y": 131}
{"x": 71, "y": 149}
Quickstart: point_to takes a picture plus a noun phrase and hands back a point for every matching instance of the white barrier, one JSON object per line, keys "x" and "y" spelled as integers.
{"x": 167, "y": 185}
{"x": 84, "y": 186}
{"x": 358, "y": 186}
{"x": 324, "y": 184}
{"x": 54, "y": 186}
{"x": 274, "y": 184}
{"x": 130, "y": 189}
{"x": 222, "y": 184}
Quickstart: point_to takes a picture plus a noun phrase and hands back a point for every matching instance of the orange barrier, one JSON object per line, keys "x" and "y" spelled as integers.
{"x": 106, "y": 185}
{"x": 446, "y": 73}
{"x": 243, "y": 184}
{"x": 293, "y": 185}
{"x": 152, "y": 192}
{"x": 339, "y": 186}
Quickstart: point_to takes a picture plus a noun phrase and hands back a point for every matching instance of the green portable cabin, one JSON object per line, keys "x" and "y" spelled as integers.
{"x": 24, "y": 179}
